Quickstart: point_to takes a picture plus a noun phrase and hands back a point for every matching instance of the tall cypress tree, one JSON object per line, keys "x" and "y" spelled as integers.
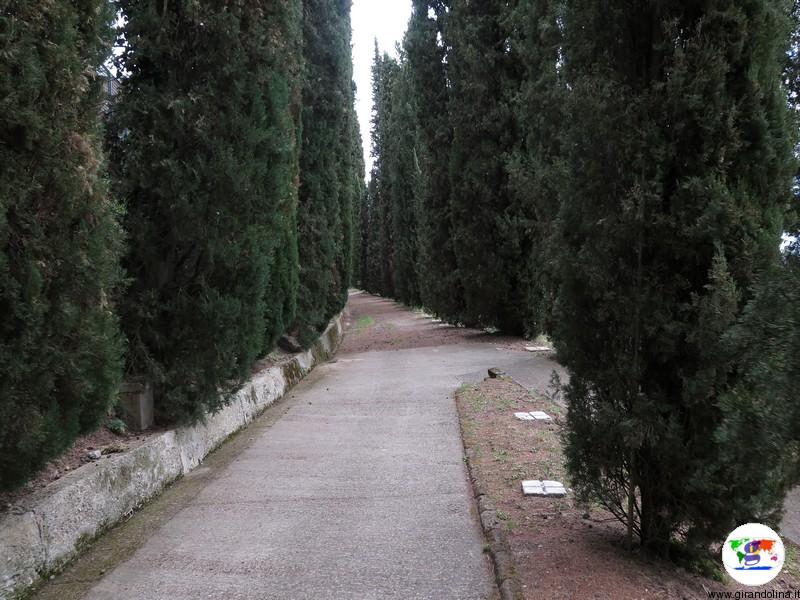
{"x": 385, "y": 71}
{"x": 403, "y": 164}
{"x": 372, "y": 229}
{"x": 60, "y": 349}
{"x": 759, "y": 411}
{"x": 678, "y": 156}
{"x": 440, "y": 289}
{"x": 208, "y": 171}
{"x": 359, "y": 200}
{"x": 283, "y": 26}
{"x": 325, "y": 166}
{"x": 481, "y": 71}
{"x": 535, "y": 94}
{"x": 351, "y": 180}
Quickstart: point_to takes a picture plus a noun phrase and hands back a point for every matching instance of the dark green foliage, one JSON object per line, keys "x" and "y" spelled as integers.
{"x": 359, "y": 202}
{"x": 678, "y": 155}
{"x": 373, "y": 228}
{"x": 60, "y": 349}
{"x": 482, "y": 73}
{"x": 534, "y": 173}
{"x": 381, "y": 233}
{"x": 437, "y": 272}
{"x": 284, "y": 31}
{"x": 209, "y": 173}
{"x": 351, "y": 178}
{"x": 401, "y": 148}
{"x": 760, "y": 415}
{"x": 326, "y": 167}
{"x": 393, "y": 177}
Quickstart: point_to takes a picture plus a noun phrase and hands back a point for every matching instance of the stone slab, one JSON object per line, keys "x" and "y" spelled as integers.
{"x": 548, "y": 489}
{"x": 541, "y": 416}
{"x": 522, "y": 416}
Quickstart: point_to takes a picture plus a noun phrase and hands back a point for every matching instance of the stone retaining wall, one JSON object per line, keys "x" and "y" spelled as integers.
{"x": 59, "y": 520}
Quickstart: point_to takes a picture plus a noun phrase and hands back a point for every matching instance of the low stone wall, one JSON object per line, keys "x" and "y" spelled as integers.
{"x": 63, "y": 517}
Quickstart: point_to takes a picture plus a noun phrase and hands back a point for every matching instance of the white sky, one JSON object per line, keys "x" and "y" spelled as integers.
{"x": 385, "y": 20}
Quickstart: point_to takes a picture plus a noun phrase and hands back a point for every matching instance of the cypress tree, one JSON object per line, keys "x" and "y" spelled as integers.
{"x": 359, "y": 200}
{"x": 383, "y": 101}
{"x": 481, "y": 72}
{"x": 208, "y": 171}
{"x": 760, "y": 414}
{"x": 678, "y": 154}
{"x": 402, "y": 167}
{"x": 60, "y": 349}
{"x": 440, "y": 290}
{"x": 371, "y": 230}
{"x": 283, "y": 25}
{"x": 351, "y": 180}
{"x": 325, "y": 208}
{"x": 536, "y": 100}
{"x": 351, "y": 175}
{"x": 385, "y": 70}
{"x": 365, "y": 239}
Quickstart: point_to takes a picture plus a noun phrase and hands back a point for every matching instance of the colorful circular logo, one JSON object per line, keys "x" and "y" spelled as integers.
{"x": 753, "y": 554}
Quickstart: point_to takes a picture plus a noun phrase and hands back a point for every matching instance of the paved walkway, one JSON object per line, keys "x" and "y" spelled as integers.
{"x": 354, "y": 487}
{"x": 790, "y": 527}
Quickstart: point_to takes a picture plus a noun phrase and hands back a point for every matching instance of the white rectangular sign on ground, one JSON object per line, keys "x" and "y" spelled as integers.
{"x": 541, "y": 416}
{"x": 548, "y": 489}
{"x": 525, "y": 416}
{"x": 533, "y": 416}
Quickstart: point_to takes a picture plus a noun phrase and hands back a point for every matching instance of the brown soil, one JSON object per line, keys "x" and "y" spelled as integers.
{"x": 373, "y": 323}
{"x": 563, "y": 550}
{"x": 102, "y": 439}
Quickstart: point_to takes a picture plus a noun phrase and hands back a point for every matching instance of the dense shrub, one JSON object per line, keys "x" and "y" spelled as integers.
{"x": 679, "y": 160}
{"x": 209, "y": 116}
{"x": 328, "y": 186}
{"x": 60, "y": 349}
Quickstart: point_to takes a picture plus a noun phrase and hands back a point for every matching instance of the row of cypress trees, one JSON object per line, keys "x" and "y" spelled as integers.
{"x": 220, "y": 220}
{"x": 616, "y": 175}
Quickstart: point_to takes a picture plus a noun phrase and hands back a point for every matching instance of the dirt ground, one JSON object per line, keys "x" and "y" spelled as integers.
{"x": 563, "y": 550}
{"x": 375, "y": 323}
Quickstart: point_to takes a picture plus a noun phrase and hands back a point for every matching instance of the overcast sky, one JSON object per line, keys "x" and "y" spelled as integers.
{"x": 385, "y": 20}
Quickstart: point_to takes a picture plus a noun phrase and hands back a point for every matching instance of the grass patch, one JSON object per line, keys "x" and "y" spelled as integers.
{"x": 364, "y": 322}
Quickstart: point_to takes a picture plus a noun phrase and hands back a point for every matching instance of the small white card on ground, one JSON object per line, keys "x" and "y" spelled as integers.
{"x": 547, "y": 489}
{"x": 541, "y": 416}
{"x": 538, "y": 348}
{"x": 525, "y": 416}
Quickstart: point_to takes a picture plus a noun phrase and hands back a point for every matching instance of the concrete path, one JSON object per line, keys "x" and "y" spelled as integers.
{"x": 790, "y": 528}
{"x": 354, "y": 487}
